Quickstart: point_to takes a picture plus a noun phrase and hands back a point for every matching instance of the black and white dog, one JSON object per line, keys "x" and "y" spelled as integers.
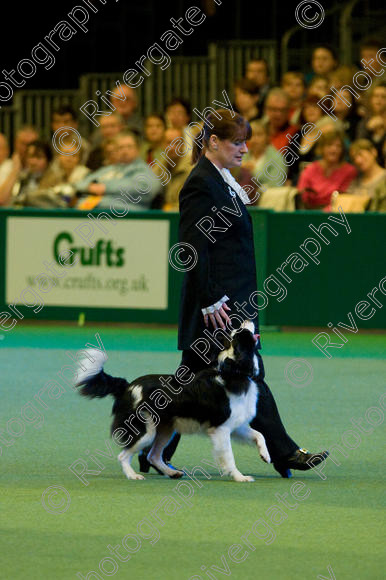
{"x": 218, "y": 401}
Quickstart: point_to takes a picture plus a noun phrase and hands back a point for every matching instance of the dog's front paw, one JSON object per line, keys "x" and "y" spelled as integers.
{"x": 138, "y": 476}
{"x": 239, "y": 477}
{"x": 265, "y": 456}
{"x": 177, "y": 474}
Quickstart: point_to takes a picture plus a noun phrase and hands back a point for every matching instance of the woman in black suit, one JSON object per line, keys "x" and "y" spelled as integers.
{"x": 222, "y": 286}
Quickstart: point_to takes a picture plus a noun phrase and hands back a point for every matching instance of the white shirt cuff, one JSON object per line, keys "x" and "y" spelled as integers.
{"x": 216, "y": 306}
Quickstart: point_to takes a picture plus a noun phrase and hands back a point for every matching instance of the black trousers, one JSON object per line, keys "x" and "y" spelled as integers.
{"x": 267, "y": 420}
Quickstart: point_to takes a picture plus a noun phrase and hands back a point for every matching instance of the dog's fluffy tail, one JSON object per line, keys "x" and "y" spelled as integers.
{"x": 92, "y": 379}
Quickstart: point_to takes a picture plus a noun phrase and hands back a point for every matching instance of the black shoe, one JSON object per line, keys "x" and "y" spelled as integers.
{"x": 284, "y": 471}
{"x": 144, "y": 464}
{"x": 302, "y": 460}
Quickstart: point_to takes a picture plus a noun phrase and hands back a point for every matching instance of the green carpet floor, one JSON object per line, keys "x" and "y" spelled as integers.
{"x": 331, "y": 527}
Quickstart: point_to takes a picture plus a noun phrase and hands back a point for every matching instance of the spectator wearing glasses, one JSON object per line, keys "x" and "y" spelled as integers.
{"x": 277, "y": 109}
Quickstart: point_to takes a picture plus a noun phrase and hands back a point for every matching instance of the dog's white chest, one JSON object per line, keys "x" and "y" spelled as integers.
{"x": 243, "y": 407}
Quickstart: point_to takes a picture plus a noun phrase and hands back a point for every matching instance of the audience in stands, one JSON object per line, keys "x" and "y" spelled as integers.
{"x": 371, "y": 180}
{"x": 373, "y": 125}
{"x": 109, "y": 152}
{"x": 257, "y": 71}
{"x": 129, "y": 179}
{"x": 345, "y": 111}
{"x": 110, "y": 126}
{"x": 277, "y": 108}
{"x": 153, "y": 145}
{"x": 5, "y": 162}
{"x": 124, "y": 101}
{"x": 19, "y": 187}
{"x": 24, "y": 137}
{"x": 331, "y": 173}
{"x": 262, "y": 160}
{"x": 69, "y": 170}
{"x": 369, "y": 48}
{"x": 178, "y": 113}
{"x": 65, "y": 116}
{"x": 289, "y": 116}
{"x": 318, "y": 87}
{"x": 294, "y": 85}
{"x": 246, "y": 99}
{"x": 324, "y": 60}
{"x": 178, "y": 165}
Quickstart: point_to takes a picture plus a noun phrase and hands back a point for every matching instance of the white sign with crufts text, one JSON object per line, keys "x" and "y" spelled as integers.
{"x": 48, "y": 262}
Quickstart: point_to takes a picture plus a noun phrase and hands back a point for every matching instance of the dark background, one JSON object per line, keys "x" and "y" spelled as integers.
{"x": 122, "y": 31}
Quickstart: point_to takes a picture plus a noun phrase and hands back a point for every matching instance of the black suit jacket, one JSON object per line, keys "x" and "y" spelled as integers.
{"x": 225, "y": 266}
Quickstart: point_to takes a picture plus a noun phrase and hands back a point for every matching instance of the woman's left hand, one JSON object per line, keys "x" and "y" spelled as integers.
{"x": 218, "y": 317}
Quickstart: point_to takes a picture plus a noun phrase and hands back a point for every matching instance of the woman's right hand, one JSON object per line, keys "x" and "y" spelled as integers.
{"x": 218, "y": 318}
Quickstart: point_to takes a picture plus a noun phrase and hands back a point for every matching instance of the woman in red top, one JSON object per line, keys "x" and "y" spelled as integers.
{"x": 331, "y": 173}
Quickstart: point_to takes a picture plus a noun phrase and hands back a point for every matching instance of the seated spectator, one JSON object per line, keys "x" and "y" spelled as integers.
{"x": 372, "y": 177}
{"x": 69, "y": 170}
{"x": 130, "y": 179}
{"x": 5, "y": 161}
{"x": 110, "y": 127}
{"x": 373, "y": 126}
{"x": 22, "y": 183}
{"x": 124, "y": 100}
{"x": 323, "y": 61}
{"x": 109, "y": 152}
{"x": 178, "y": 113}
{"x": 178, "y": 116}
{"x": 246, "y": 99}
{"x": 368, "y": 58}
{"x": 257, "y": 71}
{"x": 179, "y": 171}
{"x": 319, "y": 87}
{"x": 293, "y": 84}
{"x": 321, "y": 178}
{"x": 24, "y": 137}
{"x": 263, "y": 160}
{"x": 153, "y": 145}
{"x": 342, "y": 76}
{"x": 277, "y": 106}
{"x": 346, "y": 112}
{"x": 111, "y": 123}
{"x": 65, "y": 116}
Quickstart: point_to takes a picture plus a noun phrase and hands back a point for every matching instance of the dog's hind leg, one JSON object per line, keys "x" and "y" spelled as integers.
{"x": 223, "y": 454}
{"x": 246, "y": 432}
{"x": 155, "y": 454}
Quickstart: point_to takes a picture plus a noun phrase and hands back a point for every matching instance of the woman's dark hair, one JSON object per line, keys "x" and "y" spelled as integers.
{"x": 158, "y": 116}
{"x": 42, "y": 147}
{"x": 224, "y": 124}
{"x": 330, "y": 49}
{"x": 180, "y": 101}
{"x": 247, "y": 86}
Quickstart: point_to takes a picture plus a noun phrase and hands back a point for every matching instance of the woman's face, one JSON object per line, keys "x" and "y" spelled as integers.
{"x": 378, "y": 101}
{"x": 312, "y": 113}
{"x": 365, "y": 159}
{"x": 319, "y": 88}
{"x": 229, "y": 153}
{"x": 332, "y": 153}
{"x": 37, "y": 162}
{"x": 154, "y": 130}
{"x": 244, "y": 101}
{"x": 177, "y": 116}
